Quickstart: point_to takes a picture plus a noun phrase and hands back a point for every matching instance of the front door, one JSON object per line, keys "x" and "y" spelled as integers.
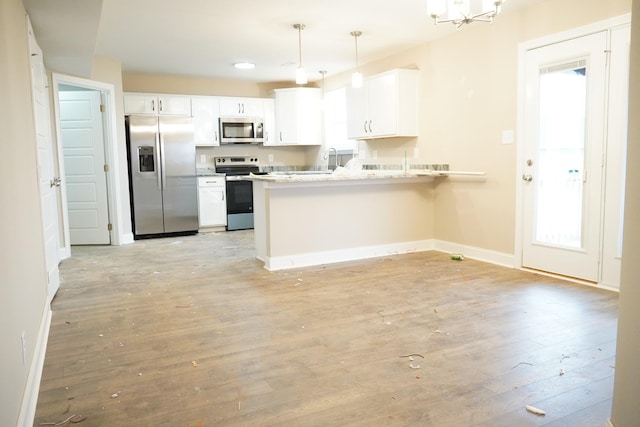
{"x": 84, "y": 165}
{"x": 562, "y": 179}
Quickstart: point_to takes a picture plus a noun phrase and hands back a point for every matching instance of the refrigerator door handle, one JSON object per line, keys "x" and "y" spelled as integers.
{"x": 158, "y": 156}
{"x": 163, "y": 177}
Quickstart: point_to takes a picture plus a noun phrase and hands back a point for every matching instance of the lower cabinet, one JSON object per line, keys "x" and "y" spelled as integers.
{"x": 212, "y": 201}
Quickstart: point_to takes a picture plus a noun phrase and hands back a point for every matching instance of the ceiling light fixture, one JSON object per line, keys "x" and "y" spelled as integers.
{"x": 301, "y": 75}
{"x": 244, "y": 65}
{"x": 461, "y": 12}
{"x": 356, "y": 77}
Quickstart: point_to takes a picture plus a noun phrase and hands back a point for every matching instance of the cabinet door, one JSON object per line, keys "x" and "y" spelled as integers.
{"x": 269, "y": 122}
{"x": 212, "y": 208}
{"x": 357, "y": 113}
{"x": 174, "y": 105}
{"x": 286, "y": 118}
{"x": 243, "y": 107}
{"x": 382, "y": 108}
{"x": 140, "y": 104}
{"x": 206, "y": 112}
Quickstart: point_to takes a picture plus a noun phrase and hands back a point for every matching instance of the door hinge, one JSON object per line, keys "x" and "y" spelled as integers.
{"x": 110, "y": 227}
{"x": 106, "y": 168}
{"x": 102, "y": 108}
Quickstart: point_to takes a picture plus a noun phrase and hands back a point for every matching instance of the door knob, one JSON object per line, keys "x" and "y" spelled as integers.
{"x": 527, "y": 177}
{"x": 55, "y": 182}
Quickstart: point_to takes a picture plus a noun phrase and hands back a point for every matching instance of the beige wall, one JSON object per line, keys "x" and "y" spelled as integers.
{"x": 23, "y": 287}
{"x": 626, "y": 393}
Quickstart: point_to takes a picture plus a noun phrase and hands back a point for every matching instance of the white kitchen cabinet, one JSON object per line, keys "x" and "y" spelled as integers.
{"x": 241, "y": 107}
{"x": 269, "y": 121}
{"x": 212, "y": 203}
{"x": 385, "y": 106}
{"x": 139, "y": 103}
{"x": 298, "y": 116}
{"x": 206, "y": 112}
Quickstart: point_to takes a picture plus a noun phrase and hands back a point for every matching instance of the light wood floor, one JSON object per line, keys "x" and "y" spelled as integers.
{"x": 193, "y": 332}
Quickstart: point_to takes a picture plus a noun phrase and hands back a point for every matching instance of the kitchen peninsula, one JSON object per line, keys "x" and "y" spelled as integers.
{"x": 312, "y": 219}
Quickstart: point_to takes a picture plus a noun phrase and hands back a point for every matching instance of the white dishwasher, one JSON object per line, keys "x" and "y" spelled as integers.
{"x": 212, "y": 201}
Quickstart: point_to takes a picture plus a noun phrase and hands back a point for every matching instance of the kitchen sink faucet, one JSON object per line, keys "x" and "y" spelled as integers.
{"x": 326, "y": 156}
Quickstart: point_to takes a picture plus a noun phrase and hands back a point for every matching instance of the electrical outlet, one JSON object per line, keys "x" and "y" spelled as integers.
{"x": 23, "y": 338}
{"x": 203, "y": 158}
{"x": 270, "y": 158}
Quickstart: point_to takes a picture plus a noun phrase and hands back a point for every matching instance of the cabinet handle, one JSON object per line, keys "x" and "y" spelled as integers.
{"x": 280, "y": 136}
{"x": 223, "y": 196}
{"x": 160, "y": 105}
{"x": 153, "y": 105}
{"x": 364, "y": 126}
{"x": 215, "y": 136}
{"x": 242, "y": 108}
{"x": 370, "y": 125}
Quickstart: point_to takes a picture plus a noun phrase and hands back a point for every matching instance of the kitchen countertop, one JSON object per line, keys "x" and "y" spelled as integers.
{"x": 345, "y": 175}
{"x": 207, "y": 172}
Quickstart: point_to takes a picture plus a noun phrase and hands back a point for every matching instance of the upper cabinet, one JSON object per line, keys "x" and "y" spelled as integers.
{"x": 298, "y": 117}
{"x": 139, "y": 103}
{"x": 243, "y": 107}
{"x": 269, "y": 121}
{"x": 385, "y": 107}
{"x": 206, "y": 112}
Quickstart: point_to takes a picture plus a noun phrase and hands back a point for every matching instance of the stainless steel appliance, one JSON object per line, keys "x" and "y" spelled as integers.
{"x": 239, "y": 189}
{"x": 162, "y": 175}
{"x": 241, "y": 130}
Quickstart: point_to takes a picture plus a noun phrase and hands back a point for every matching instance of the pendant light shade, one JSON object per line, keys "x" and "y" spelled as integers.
{"x": 356, "y": 77}
{"x": 301, "y": 75}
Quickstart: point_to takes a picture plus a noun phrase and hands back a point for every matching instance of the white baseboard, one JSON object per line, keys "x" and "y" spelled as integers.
{"x": 32, "y": 389}
{"x": 485, "y": 255}
{"x": 125, "y": 239}
{"x": 609, "y": 423}
{"x": 343, "y": 255}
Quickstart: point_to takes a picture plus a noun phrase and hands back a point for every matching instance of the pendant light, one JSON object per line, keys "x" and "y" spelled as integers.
{"x": 301, "y": 75}
{"x": 356, "y": 77}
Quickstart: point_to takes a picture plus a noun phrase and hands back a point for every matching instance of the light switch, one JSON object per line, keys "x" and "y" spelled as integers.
{"x": 203, "y": 158}
{"x": 507, "y": 137}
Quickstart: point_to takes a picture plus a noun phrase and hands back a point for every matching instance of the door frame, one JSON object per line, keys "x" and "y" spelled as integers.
{"x": 114, "y": 206}
{"x": 520, "y": 152}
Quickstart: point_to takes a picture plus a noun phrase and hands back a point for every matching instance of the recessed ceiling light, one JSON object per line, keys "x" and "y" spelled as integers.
{"x": 245, "y": 65}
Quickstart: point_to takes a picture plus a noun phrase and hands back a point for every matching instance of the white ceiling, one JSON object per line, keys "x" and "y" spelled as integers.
{"x": 205, "y": 37}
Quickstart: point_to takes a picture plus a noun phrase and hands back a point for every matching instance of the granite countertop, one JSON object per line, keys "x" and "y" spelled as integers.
{"x": 345, "y": 175}
{"x": 207, "y": 172}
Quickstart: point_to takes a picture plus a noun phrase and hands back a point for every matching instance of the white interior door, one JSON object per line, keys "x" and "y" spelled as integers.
{"x": 84, "y": 164}
{"x": 563, "y": 153}
{"x": 49, "y": 182}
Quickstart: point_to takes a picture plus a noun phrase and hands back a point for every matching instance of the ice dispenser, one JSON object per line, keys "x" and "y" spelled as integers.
{"x": 146, "y": 161}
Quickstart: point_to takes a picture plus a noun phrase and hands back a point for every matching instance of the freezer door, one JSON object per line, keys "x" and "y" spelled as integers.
{"x": 144, "y": 151}
{"x": 179, "y": 182}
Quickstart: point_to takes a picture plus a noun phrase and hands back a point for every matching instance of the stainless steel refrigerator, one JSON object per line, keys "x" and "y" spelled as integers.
{"x": 162, "y": 175}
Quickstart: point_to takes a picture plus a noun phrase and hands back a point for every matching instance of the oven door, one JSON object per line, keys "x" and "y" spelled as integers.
{"x": 239, "y": 196}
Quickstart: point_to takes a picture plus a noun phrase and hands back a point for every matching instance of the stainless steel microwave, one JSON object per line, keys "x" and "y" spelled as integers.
{"x": 241, "y": 130}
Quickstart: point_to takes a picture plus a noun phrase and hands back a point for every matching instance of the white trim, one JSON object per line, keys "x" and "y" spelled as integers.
{"x": 523, "y": 47}
{"x": 609, "y": 423}
{"x": 597, "y": 285}
{"x": 32, "y": 389}
{"x": 480, "y": 254}
{"x": 343, "y": 255}
{"x": 111, "y": 151}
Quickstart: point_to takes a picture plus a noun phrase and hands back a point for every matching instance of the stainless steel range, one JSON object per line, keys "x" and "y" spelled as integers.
{"x": 239, "y": 189}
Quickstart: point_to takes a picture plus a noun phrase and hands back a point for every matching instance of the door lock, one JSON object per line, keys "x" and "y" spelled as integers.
{"x": 527, "y": 177}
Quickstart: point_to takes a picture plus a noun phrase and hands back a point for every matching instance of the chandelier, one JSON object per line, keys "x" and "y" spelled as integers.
{"x": 461, "y": 12}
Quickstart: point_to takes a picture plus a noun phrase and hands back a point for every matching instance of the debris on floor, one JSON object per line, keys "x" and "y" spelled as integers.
{"x": 535, "y": 410}
{"x": 457, "y": 257}
{"x": 194, "y": 364}
{"x": 73, "y": 419}
{"x": 522, "y": 363}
